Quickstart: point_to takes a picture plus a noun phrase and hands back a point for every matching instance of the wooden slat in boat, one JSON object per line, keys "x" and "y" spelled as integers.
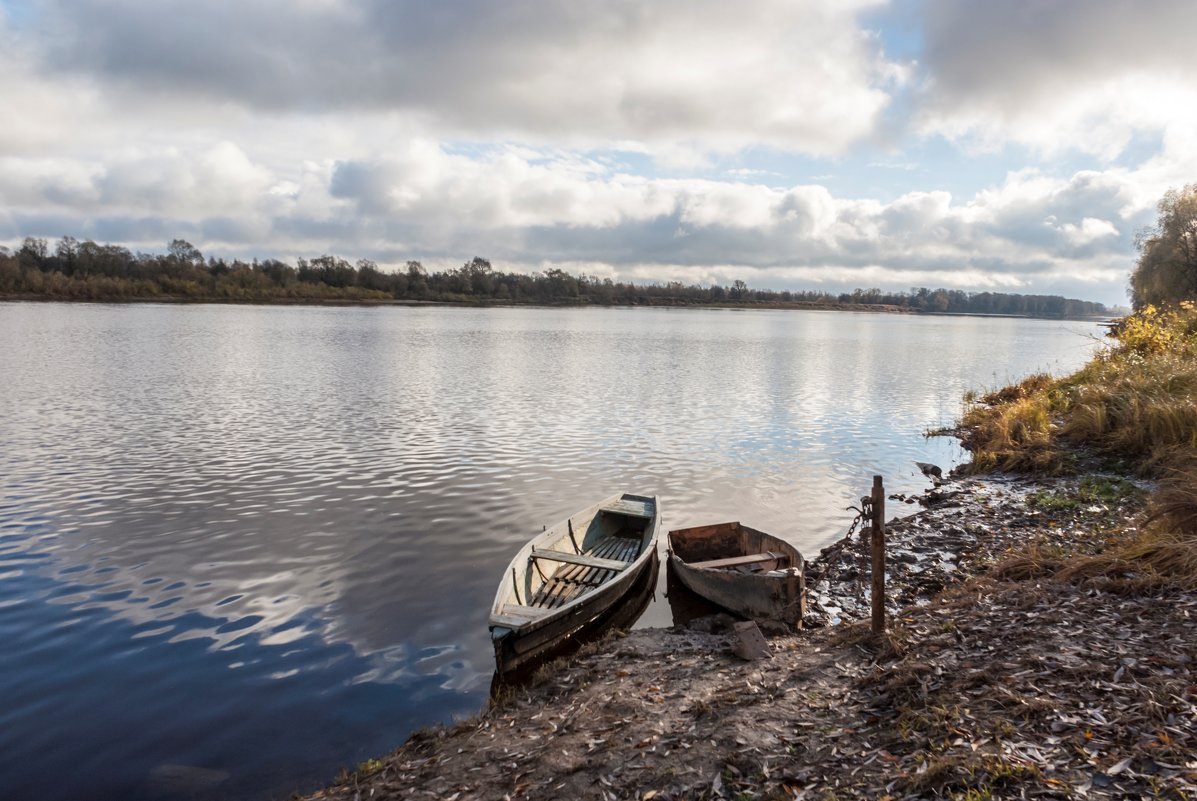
{"x": 583, "y": 571}
{"x": 738, "y": 561}
{"x": 558, "y": 585}
{"x": 579, "y": 559}
{"x": 554, "y": 593}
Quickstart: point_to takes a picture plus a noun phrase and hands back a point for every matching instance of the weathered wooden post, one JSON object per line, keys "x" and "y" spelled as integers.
{"x": 878, "y": 528}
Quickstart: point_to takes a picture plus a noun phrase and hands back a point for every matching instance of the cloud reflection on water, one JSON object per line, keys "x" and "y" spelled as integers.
{"x": 324, "y": 498}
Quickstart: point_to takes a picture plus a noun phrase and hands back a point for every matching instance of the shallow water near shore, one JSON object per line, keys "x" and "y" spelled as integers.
{"x": 263, "y": 541}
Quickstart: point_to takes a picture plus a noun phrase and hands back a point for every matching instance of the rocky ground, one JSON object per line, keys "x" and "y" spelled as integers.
{"x": 999, "y": 679}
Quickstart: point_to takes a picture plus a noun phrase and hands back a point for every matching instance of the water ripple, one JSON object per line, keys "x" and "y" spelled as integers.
{"x": 265, "y": 540}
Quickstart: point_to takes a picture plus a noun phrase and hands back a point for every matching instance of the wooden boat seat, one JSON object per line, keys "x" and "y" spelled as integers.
{"x": 515, "y": 615}
{"x": 579, "y": 559}
{"x": 630, "y": 508}
{"x": 739, "y": 561}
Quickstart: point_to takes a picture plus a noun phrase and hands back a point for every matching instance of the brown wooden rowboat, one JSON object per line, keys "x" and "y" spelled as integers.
{"x": 749, "y": 572}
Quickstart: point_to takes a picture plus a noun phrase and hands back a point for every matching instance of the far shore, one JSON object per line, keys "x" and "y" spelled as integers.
{"x": 870, "y": 308}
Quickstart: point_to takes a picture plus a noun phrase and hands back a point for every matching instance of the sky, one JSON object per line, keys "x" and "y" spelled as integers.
{"x": 793, "y": 144}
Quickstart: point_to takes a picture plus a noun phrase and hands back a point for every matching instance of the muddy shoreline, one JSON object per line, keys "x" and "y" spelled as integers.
{"x": 996, "y": 680}
{"x": 964, "y": 524}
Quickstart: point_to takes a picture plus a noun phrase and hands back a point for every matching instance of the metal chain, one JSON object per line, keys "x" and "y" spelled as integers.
{"x": 864, "y": 513}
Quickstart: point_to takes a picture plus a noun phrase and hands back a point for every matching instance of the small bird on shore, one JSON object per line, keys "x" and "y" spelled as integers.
{"x": 931, "y": 471}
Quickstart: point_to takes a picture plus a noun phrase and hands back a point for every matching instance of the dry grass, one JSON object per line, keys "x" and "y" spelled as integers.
{"x": 1135, "y": 403}
{"x": 1136, "y": 400}
{"x": 1164, "y": 553}
{"x": 1139, "y": 408}
{"x": 890, "y": 645}
{"x": 1014, "y": 435}
{"x": 1154, "y": 560}
{"x": 1031, "y": 563}
{"x": 1175, "y": 504}
{"x": 1029, "y": 387}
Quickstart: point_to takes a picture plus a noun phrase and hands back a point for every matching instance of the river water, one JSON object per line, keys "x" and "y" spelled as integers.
{"x": 242, "y": 547}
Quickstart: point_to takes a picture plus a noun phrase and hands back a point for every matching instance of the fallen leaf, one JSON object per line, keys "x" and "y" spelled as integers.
{"x": 1121, "y": 766}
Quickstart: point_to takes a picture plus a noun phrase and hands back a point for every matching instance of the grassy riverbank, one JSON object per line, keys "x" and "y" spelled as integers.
{"x": 1043, "y": 639}
{"x": 1132, "y": 409}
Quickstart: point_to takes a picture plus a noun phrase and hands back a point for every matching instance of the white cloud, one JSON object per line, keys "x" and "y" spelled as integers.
{"x": 214, "y": 180}
{"x": 519, "y": 206}
{"x": 558, "y": 133}
{"x": 674, "y": 75}
{"x": 523, "y": 205}
{"x": 39, "y": 110}
{"x": 1089, "y": 230}
{"x": 1072, "y": 75}
{"x": 745, "y": 173}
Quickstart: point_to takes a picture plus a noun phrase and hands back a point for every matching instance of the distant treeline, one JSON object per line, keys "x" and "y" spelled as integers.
{"x": 90, "y": 271}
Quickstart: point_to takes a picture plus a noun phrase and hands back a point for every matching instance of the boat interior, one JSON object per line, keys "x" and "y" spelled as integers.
{"x": 581, "y": 560}
{"x": 728, "y": 546}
